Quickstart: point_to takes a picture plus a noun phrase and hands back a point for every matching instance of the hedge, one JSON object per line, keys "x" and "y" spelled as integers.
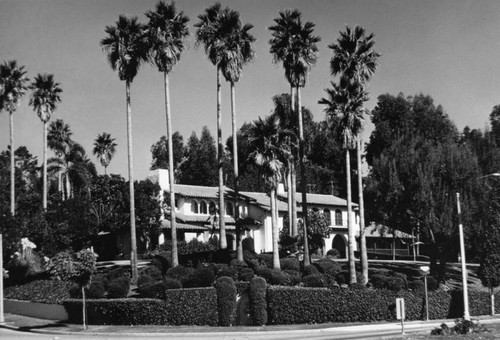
{"x": 192, "y": 306}
{"x": 226, "y": 300}
{"x": 258, "y": 303}
{"x": 292, "y": 305}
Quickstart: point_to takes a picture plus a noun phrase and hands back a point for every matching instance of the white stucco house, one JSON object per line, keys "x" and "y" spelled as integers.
{"x": 193, "y": 204}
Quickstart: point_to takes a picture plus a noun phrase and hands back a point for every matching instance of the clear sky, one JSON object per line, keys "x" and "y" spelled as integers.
{"x": 449, "y": 49}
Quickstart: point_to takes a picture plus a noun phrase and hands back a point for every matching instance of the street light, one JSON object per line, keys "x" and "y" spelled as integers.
{"x": 426, "y": 271}
{"x": 462, "y": 259}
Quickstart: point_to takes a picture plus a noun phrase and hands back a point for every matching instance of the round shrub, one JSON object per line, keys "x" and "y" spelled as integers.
{"x": 315, "y": 280}
{"x": 416, "y": 285}
{"x": 432, "y": 283}
{"x": 169, "y": 283}
{"x": 61, "y": 266}
{"x": 144, "y": 279}
{"x": 237, "y": 263}
{"x": 342, "y": 278}
{"x": 328, "y": 267}
{"x": 117, "y": 273}
{"x": 333, "y": 254}
{"x": 310, "y": 269}
{"x": 119, "y": 288}
{"x": 273, "y": 276}
{"x": 178, "y": 272}
{"x": 258, "y": 303}
{"x": 266, "y": 259}
{"x": 198, "y": 278}
{"x": 226, "y": 300}
{"x": 387, "y": 282}
{"x": 293, "y": 276}
{"x": 290, "y": 263}
{"x": 153, "y": 271}
{"x": 152, "y": 290}
{"x": 95, "y": 290}
{"x": 224, "y": 270}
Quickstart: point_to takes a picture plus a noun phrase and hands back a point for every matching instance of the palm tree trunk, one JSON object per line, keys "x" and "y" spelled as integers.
{"x": 44, "y": 179}
{"x": 362, "y": 236}
{"x": 173, "y": 223}
{"x": 68, "y": 186}
{"x": 303, "y": 183}
{"x": 293, "y": 171}
{"x": 239, "y": 238}
{"x": 220, "y": 149}
{"x": 350, "y": 231}
{"x": 133, "y": 240}
{"x": 289, "y": 197}
{"x": 12, "y": 166}
{"x": 274, "y": 224}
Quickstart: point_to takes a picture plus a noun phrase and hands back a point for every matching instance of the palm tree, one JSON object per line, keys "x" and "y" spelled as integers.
{"x": 294, "y": 45}
{"x": 265, "y": 140}
{"x": 126, "y": 48}
{"x": 44, "y": 98}
{"x": 14, "y": 85}
{"x": 59, "y": 140}
{"x": 104, "y": 149}
{"x": 344, "y": 109}
{"x": 211, "y": 34}
{"x": 167, "y": 30}
{"x": 236, "y": 52}
{"x": 354, "y": 60}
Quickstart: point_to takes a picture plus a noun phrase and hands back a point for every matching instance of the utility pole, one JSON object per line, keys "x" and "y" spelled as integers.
{"x": 462, "y": 258}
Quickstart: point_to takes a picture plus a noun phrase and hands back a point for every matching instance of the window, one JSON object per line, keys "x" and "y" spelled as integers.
{"x": 212, "y": 208}
{"x": 328, "y": 216}
{"x": 194, "y": 207}
{"x": 338, "y": 218}
{"x": 203, "y": 208}
{"x": 229, "y": 209}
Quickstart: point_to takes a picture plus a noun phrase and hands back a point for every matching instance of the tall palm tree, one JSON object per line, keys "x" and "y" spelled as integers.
{"x": 354, "y": 60}
{"x": 237, "y": 51}
{"x": 44, "y": 99}
{"x": 294, "y": 45}
{"x": 210, "y": 33}
{"x": 104, "y": 149}
{"x": 59, "y": 140}
{"x": 14, "y": 85}
{"x": 344, "y": 109}
{"x": 126, "y": 48}
{"x": 167, "y": 30}
{"x": 265, "y": 139}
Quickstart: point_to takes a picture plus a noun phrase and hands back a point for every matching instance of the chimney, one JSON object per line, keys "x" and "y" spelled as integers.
{"x": 160, "y": 176}
{"x": 281, "y": 189}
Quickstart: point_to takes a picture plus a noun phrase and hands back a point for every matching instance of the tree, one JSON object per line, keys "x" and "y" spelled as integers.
{"x": 126, "y": 48}
{"x": 59, "y": 140}
{"x": 167, "y": 30}
{"x": 44, "y": 99}
{"x": 268, "y": 155}
{"x": 200, "y": 165}
{"x": 14, "y": 84}
{"x": 294, "y": 45}
{"x": 355, "y": 61}
{"x": 104, "y": 149}
{"x": 160, "y": 154}
{"x": 211, "y": 33}
{"x": 236, "y": 52}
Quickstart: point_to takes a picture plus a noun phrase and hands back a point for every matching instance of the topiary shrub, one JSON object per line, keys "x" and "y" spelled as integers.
{"x": 333, "y": 254}
{"x": 119, "y": 287}
{"x": 290, "y": 263}
{"x": 258, "y": 303}
{"x": 293, "y": 276}
{"x": 178, "y": 272}
{"x": 198, "y": 278}
{"x": 116, "y": 273}
{"x": 310, "y": 269}
{"x": 226, "y": 300}
{"x": 315, "y": 280}
{"x": 152, "y": 271}
{"x": 169, "y": 283}
{"x": 194, "y": 306}
{"x": 61, "y": 266}
{"x": 225, "y": 270}
{"x": 152, "y": 290}
{"x": 266, "y": 259}
{"x": 342, "y": 278}
{"x": 328, "y": 267}
{"x": 246, "y": 274}
{"x": 94, "y": 291}
{"x": 273, "y": 276}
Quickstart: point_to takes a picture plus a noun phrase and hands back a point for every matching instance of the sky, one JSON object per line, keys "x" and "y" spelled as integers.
{"x": 448, "y": 49}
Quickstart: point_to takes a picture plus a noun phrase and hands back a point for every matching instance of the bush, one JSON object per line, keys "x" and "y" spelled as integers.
{"x": 258, "y": 303}
{"x": 224, "y": 270}
{"x": 290, "y": 263}
{"x": 266, "y": 259}
{"x": 94, "y": 291}
{"x": 328, "y": 267}
{"x": 178, "y": 272}
{"x": 62, "y": 266}
{"x": 44, "y": 291}
{"x": 226, "y": 300}
{"x": 169, "y": 283}
{"x": 342, "y": 278}
{"x": 198, "y": 278}
{"x": 432, "y": 283}
{"x": 273, "y": 276}
{"x": 293, "y": 276}
{"x": 333, "y": 254}
{"x": 116, "y": 273}
{"x": 248, "y": 244}
{"x": 315, "y": 280}
{"x": 416, "y": 285}
{"x": 246, "y": 274}
{"x": 153, "y": 272}
{"x": 393, "y": 283}
{"x": 194, "y": 306}
{"x": 357, "y": 286}
{"x": 152, "y": 290}
{"x": 310, "y": 269}
{"x": 119, "y": 287}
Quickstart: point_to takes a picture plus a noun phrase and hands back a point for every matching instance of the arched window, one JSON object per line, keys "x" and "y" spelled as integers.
{"x": 338, "y": 217}
{"x": 212, "y": 208}
{"x": 194, "y": 207}
{"x": 203, "y": 208}
{"x": 229, "y": 209}
{"x": 328, "y": 216}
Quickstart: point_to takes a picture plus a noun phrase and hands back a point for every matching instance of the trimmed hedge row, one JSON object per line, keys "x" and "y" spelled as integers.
{"x": 287, "y": 305}
{"x": 192, "y": 306}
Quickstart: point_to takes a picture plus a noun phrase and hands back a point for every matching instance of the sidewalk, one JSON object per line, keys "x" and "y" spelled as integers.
{"x": 28, "y": 324}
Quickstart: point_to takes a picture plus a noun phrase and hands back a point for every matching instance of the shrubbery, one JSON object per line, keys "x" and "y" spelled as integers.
{"x": 119, "y": 287}
{"x": 45, "y": 291}
{"x": 194, "y": 306}
{"x": 226, "y": 300}
{"x": 258, "y": 301}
